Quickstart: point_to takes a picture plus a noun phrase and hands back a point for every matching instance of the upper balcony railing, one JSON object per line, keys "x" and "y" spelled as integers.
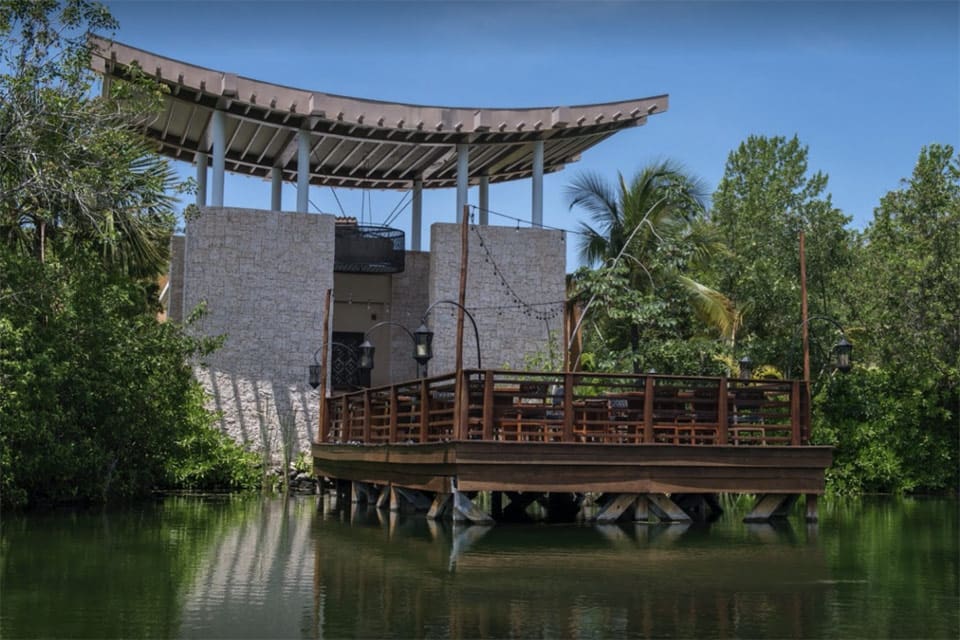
{"x": 510, "y": 406}
{"x": 368, "y": 249}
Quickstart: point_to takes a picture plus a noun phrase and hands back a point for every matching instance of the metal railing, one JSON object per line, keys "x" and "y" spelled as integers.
{"x": 510, "y": 406}
{"x": 368, "y": 249}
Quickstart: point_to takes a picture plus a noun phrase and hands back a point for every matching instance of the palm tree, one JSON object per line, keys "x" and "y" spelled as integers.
{"x": 658, "y": 214}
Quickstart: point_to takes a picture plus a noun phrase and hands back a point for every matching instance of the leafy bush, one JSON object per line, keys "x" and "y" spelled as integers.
{"x": 97, "y": 398}
{"x": 889, "y": 435}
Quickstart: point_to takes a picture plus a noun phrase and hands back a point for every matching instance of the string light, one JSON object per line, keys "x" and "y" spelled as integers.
{"x": 519, "y": 304}
{"x": 532, "y": 225}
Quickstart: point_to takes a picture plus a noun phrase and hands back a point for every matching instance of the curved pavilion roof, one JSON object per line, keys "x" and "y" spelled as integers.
{"x": 357, "y": 142}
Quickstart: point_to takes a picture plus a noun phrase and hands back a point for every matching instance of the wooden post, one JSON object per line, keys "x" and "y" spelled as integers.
{"x": 795, "y": 391}
{"x": 648, "y": 392}
{"x": 567, "y": 407}
{"x": 459, "y": 402}
{"x": 424, "y": 410}
{"x": 394, "y": 407}
{"x": 323, "y": 427}
{"x": 345, "y": 421}
{"x": 366, "y": 416}
{"x": 722, "y": 403}
{"x": 488, "y": 405}
{"x": 804, "y": 318}
{"x": 464, "y": 418}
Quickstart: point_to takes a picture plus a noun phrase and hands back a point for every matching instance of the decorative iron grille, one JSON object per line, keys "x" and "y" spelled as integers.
{"x": 345, "y": 371}
{"x": 368, "y": 249}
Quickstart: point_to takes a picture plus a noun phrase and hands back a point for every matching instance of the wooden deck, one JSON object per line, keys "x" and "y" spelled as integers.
{"x": 505, "y": 431}
{"x": 511, "y": 466}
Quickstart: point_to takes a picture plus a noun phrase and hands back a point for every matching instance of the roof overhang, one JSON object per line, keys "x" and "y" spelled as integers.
{"x": 355, "y": 142}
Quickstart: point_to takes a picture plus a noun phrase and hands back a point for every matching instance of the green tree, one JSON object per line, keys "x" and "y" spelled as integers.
{"x": 896, "y": 424}
{"x": 766, "y": 196}
{"x": 645, "y": 236}
{"x": 72, "y": 168}
{"x": 97, "y": 398}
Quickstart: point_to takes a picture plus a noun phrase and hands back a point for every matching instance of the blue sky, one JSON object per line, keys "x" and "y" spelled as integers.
{"x": 864, "y": 84}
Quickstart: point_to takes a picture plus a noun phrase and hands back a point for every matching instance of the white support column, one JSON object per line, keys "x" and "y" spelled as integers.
{"x": 219, "y": 123}
{"x": 276, "y": 189}
{"x": 303, "y": 171}
{"x": 463, "y": 171}
{"x": 202, "y": 160}
{"x": 416, "y": 223}
{"x": 536, "y": 216}
{"x": 484, "y": 200}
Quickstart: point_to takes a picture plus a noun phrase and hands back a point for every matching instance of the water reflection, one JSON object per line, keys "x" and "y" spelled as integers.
{"x": 288, "y": 569}
{"x": 256, "y": 578}
{"x": 437, "y": 579}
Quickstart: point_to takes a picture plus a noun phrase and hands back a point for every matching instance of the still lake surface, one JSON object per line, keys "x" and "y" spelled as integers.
{"x": 274, "y": 568}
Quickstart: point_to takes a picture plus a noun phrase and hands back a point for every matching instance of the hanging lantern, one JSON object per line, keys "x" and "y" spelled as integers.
{"x": 422, "y": 344}
{"x": 366, "y": 355}
{"x": 843, "y": 352}
{"x": 746, "y": 368}
{"x": 314, "y": 375}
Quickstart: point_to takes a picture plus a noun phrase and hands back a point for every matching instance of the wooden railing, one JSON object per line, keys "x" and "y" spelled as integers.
{"x": 573, "y": 407}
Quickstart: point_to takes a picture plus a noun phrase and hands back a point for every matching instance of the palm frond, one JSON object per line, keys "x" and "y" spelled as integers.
{"x": 593, "y": 246}
{"x": 590, "y": 192}
{"x": 712, "y": 307}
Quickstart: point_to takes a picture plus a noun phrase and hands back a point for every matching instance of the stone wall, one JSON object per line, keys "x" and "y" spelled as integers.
{"x": 175, "y": 295}
{"x": 530, "y": 267}
{"x": 409, "y": 299}
{"x": 263, "y": 276}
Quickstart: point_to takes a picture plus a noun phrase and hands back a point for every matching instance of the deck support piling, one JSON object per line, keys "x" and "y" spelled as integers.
{"x": 383, "y": 500}
{"x": 811, "y": 504}
{"x": 465, "y": 511}
{"x": 616, "y": 508}
{"x": 641, "y": 509}
{"x": 666, "y": 509}
{"x": 701, "y": 507}
{"x": 407, "y": 500}
{"x": 440, "y": 506}
{"x": 770, "y": 506}
{"x": 363, "y": 493}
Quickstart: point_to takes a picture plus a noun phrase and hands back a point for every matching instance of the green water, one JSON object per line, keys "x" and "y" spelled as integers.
{"x": 252, "y": 568}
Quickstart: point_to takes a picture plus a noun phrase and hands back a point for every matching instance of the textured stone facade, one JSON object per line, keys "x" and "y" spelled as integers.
{"x": 409, "y": 299}
{"x": 263, "y": 276}
{"x": 175, "y": 295}
{"x": 511, "y": 264}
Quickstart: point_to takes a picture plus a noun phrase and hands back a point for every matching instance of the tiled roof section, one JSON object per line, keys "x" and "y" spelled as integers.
{"x": 356, "y": 142}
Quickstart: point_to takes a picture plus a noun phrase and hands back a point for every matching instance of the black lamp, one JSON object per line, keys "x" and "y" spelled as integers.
{"x": 366, "y": 355}
{"x": 843, "y": 351}
{"x": 746, "y": 368}
{"x": 315, "y": 375}
{"x": 422, "y": 344}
